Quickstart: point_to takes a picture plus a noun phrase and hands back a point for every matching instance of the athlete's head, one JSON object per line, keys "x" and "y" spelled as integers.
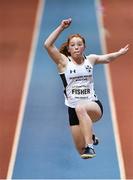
{"x": 74, "y": 46}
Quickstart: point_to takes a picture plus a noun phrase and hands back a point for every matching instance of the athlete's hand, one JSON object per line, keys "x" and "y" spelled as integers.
{"x": 66, "y": 23}
{"x": 124, "y": 50}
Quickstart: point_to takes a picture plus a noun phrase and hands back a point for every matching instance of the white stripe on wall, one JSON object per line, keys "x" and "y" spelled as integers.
{"x": 99, "y": 10}
{"x": 36, "y": 31}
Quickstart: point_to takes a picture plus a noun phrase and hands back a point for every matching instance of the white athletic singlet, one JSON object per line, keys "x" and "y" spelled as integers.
{"x": 78, "y": 83}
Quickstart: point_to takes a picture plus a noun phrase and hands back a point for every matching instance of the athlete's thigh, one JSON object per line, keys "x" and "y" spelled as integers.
{"x": 78, "y": 138}
{"x": 93, "y": 110}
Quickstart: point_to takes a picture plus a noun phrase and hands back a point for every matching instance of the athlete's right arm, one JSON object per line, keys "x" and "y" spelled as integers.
{"x": 52, "y": 50}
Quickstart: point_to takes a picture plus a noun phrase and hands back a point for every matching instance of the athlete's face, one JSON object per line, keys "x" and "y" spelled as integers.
{"x": 76, "y": 47}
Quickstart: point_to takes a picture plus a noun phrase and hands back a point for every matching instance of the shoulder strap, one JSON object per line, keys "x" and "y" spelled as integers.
{"x": 69, "y": 59}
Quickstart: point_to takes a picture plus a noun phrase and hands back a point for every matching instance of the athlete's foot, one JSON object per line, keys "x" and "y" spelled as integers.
{"x": 88, "y": 153}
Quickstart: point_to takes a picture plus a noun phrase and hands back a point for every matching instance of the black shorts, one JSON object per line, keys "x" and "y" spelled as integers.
{"x": 73, "y": 119}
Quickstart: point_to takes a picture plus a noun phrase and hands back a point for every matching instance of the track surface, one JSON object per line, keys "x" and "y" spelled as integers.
{"x": 118, "y": 18}
{"x": 16, "y": 28}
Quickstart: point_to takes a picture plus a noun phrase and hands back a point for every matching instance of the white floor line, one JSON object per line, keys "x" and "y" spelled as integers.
{"x": 26, "y": 87}
{"x": 99, "y": 10}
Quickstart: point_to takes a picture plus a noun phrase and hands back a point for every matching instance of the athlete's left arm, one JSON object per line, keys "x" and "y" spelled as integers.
{"x": 103, "y": 59}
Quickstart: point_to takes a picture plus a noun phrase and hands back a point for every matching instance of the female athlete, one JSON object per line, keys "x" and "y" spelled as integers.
{"x": 76, "y": 72}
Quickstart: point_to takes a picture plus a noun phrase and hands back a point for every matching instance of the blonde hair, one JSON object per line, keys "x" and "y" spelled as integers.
{"x": 64, "y": 47}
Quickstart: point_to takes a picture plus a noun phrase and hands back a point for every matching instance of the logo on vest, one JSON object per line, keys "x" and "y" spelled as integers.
{"x": 88, "y": 68}
{"x": 72, "y": 71}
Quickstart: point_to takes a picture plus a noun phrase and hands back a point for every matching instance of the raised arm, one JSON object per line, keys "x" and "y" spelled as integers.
{"x": 103, "y": 59}
{"x": 52, "y": 50}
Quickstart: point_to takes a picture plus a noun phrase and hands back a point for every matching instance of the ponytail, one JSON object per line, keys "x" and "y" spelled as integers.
{"x": 64, "y": 49}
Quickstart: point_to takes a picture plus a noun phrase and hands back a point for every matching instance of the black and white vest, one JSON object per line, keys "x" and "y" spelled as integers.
{"x": 78, "y": 83}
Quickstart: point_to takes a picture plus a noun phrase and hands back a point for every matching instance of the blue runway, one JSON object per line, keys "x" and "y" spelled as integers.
{"x": 46, "y": 149}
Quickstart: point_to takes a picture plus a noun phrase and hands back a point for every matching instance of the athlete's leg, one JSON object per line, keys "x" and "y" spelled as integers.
{"x": 88, "y": 112}
{"x": 78, "y": 138}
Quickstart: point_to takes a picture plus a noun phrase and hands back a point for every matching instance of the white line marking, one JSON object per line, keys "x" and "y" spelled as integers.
{"x": 26, "y": 87}
{"x": 110, "y": 91}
